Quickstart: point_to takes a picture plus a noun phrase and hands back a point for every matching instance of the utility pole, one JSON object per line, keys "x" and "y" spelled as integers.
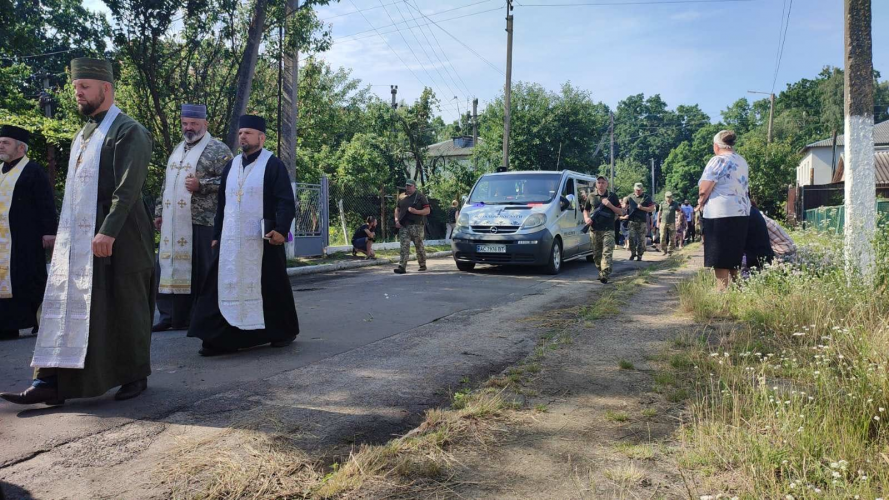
{"x": 611, "y": 127}
{"x": 46, "y": 104}
{"x": 508, "y": 88}
{"x": 771, "y": 111}
{"x": 652, "y": 177}
{"x": 289, "y": 97}
{"x": 860, "y": 179}
{"x": 475, "y": 133}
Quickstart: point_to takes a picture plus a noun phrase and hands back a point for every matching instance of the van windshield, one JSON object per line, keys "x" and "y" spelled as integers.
{"x": 515, "y": 189}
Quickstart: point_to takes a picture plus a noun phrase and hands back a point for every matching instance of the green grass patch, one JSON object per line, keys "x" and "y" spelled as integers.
{"x": 617, "y": 416}
{"x": 625, "y": 365}
{"x": 793, "y": 397}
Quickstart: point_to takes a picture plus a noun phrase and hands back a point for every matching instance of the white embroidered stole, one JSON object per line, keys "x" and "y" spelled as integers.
{"x": 65, "y": 322}
{"x": 175, "y": 252}
{"x": 7, "y": 187}
{"x": 241, "y": 245}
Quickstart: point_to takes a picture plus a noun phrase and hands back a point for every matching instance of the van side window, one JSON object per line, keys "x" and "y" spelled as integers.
{"x": 569, "y": 187}
{"x": 583, "y": 191}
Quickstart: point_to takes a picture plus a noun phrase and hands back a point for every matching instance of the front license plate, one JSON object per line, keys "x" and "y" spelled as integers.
{"x": 490, "y": 248}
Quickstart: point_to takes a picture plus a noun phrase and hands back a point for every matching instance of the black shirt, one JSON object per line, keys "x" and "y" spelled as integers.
{"x": 417, "y": 200}
{"x": 452, "y": 215}
{"x": 641, "y": 201}
{"x": 605, "y": 220}
{"x": 359, "y": 233}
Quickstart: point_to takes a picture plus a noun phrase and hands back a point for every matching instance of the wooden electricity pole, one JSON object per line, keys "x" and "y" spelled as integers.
{"x": 860, "y": 179}
{"x": 508, "y": 88}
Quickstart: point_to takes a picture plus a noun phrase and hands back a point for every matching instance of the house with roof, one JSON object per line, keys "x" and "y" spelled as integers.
{"x": 881, "y": 171}
{"x": 819, "y": 163}
{"x": 438, "y": 155}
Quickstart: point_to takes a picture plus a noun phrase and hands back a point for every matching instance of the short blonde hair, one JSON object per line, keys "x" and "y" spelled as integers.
{"x": 454, "y": 203}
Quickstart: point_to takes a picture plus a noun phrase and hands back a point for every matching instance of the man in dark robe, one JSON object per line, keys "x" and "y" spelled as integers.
{"x": 247, "y": 299}
{"x": 95, "y": 329}
{"x": 27, "y": 229}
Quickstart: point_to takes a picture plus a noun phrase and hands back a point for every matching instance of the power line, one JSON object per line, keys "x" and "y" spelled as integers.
{"x": 425, "y": 53}
{"x": 441, "y": 49}
{"x": 32, "y": 56}
{"x": 786, "y": 25}
{"x": 356, "y": 11}
{"x": 414, "y": 53}
{"x": 399, "y": 29}
{"x": 461, "y": 41}
{"x": 638, "y": 2}
{"x": 432, "y": 48}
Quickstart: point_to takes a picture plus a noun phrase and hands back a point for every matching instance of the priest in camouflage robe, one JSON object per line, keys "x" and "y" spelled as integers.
{"x": 184, "y": 216}
{"x": 247, "y": 299}
{"x": 95, "y": 328}
{"x": 27, "y": 229}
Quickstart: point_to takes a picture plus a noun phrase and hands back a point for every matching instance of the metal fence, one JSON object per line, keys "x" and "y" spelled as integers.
{"x": 310, "y": 224}
{"x": 348, "y": 209}
{"x": 833, "y": 219}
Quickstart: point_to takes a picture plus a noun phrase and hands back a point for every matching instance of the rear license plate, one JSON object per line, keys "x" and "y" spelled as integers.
{"x": 490, "y": 248}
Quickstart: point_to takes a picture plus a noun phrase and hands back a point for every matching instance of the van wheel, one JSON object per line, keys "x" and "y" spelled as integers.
{"x": 466, "y": 266}
{"x": 555, "y": 258}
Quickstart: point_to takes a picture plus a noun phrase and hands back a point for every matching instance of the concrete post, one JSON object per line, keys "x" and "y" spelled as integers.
{"x": 860, "y": 179}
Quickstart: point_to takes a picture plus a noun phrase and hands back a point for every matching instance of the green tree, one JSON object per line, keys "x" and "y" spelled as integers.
{"x": 627, "y": 173}
{"x": 685, "y": 163}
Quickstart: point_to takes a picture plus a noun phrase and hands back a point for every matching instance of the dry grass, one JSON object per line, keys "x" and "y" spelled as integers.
{"x": 256, "y": 460}
{"x": 422, "y": 458}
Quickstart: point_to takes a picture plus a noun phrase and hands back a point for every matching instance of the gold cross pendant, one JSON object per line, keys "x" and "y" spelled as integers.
{"x": 240, "y": 193}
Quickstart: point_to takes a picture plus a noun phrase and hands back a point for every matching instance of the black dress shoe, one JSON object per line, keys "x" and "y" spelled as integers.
{"x": 161, "y": 327}
{"x": 9, "y": 334}
{"x": 422, "y": 268}
{"x": 34, "y": 395}
{"x": 281, "y": 343}
{"x": 399, "y": 270}
{"x": 212, "y": 351}
{"x": 131, "y": 390}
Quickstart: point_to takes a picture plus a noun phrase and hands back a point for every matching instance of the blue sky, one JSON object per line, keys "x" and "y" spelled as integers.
{"x": 705, "y": 53}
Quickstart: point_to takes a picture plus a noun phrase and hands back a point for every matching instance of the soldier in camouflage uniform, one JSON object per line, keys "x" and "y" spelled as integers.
{"x": 601, "y": 210}
{"x": 410, "y": 218}
{"x": 668, "y": 223}
{"x": 638, "y": 218}
{"x": 203, "y": 184}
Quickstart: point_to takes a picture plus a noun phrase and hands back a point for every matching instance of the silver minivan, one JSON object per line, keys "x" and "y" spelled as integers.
{"x": 532, "y": 218}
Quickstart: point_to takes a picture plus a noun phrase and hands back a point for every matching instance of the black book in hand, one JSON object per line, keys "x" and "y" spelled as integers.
{"x": 268, "y": 225}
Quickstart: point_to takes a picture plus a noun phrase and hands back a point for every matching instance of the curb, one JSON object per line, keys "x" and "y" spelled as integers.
{"x": 339, "y": 266}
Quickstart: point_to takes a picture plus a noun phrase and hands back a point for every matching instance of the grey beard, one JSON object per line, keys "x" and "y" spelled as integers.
{"x": 192, "y": 137}
{"x": 5, "y": 157}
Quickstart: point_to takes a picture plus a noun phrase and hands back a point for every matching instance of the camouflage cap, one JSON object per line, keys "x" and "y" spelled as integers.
{"x": 638, "y": 185}
{"x": 668, "y": 194}
{"x": 85, "y": 68}
{"x": 410, "y": 182}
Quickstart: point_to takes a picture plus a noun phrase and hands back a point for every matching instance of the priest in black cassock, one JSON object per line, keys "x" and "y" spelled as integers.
{"x": 27, "y": 228}
{"x": 247, "y": 299}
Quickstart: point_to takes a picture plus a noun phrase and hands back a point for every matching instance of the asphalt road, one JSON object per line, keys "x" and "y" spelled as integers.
{"x": 339, "y": 312}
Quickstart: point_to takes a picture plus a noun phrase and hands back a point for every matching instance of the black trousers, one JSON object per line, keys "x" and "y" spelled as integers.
{"x": 175, "y": 309}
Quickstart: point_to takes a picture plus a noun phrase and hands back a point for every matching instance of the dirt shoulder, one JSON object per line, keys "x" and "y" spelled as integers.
{"x": 588, "y": 414}
{"x": 600, "y": 423}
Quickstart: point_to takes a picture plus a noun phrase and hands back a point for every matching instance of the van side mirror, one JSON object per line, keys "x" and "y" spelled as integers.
{"x": 464, "y": 198}
{"x": 567, "y": 202}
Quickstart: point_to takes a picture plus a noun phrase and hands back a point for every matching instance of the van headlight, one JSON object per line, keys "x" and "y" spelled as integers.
{"x": 463, "y": 220}
{"x": 535, "y": 220}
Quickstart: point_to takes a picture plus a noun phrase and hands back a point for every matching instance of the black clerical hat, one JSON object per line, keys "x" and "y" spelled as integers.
{"x": 16, "y": 133}
{"x": 252, "y": 121}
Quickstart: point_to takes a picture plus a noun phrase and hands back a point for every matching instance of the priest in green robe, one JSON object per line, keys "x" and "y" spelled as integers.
{"x": 95, "y": 328}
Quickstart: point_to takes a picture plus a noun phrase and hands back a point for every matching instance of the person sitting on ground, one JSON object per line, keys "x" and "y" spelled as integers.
{"x": 363, "y": 239}
{"x": 782, "y": 243}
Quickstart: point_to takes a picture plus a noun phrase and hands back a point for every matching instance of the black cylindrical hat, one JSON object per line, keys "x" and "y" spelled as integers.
{"x": 252, "y": 121}
{"x": 16, "y": 133}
